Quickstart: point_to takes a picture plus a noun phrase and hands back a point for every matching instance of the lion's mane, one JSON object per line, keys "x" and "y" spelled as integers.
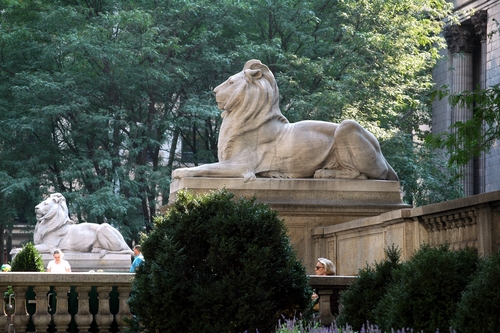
{"x": 251, "y": 106}
{"x": 54, "y": 219}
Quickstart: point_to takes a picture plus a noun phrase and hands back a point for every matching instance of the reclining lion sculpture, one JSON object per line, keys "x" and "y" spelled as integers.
{"x": 256, "y": 140}
{"x": 54, "y": 229}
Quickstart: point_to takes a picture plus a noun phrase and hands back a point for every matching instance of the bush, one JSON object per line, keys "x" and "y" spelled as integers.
{"x": 28, "y": 260}
{"x": 361, "y": 298}
{"x": 479, "y": 308}
{"x": 216, "y": 264}
{"x": 426, "y": 290}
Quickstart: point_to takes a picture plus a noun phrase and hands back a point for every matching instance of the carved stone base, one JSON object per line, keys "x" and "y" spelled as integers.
{"x": 85, "y": 262}
{"x": 305, "y": 204}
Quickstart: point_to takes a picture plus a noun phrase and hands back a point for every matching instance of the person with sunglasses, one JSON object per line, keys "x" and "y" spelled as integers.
{"x": 323, "y": 267}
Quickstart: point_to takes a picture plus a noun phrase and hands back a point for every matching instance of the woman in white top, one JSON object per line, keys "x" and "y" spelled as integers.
{"x": 58, "y": 265}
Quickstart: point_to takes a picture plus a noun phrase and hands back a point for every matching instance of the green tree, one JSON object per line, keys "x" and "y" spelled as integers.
{"x": 472, "y": 137}
{"x": 96, "y": 95}
{"x": 28, "y": 260}
{"x": 216, "y": 263}
{"x": 426, "y": 290}
{"x": 425, "y": 177}
{"x": 479, "y": 307}
{"x": 360, "y": 300}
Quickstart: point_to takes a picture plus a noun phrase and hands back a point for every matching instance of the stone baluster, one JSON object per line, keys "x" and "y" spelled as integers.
{"x": 62, "y": 318}
{"x": 123, "y": 308}
{"x": 429, "y": 225}
{"x": 461, "y": 233}
{"x": 83, "y": 318}
{"x": 441, "y": 229}
{"x": 435, "y": 231}
{"x": 467, "y": 231}
{"x": 41, "y": 318}
{"x": 20, "y": 317}
{"x": 471, "y": 221}
{"x": 325, "y": 311}
{"x": 105, "y": 318}
{"x": 453, "y": 235}
{"x": 4, "y": 319}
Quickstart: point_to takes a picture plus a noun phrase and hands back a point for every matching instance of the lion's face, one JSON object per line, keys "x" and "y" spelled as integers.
{"x": 228, "y": 89}
{"x": 52, "y": 204}
{"x": 232, "y": 92}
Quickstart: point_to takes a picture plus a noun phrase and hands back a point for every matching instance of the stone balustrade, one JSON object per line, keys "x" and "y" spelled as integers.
{"x": 328, "y": 288}
{"x": 472, "y": 222}
{"x": 81, "y": 301}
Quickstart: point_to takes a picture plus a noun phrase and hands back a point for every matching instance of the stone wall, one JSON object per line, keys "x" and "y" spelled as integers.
{"x": 469, "y": 222}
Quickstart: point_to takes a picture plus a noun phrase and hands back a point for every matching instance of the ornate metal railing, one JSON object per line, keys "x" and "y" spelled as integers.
{"x": 84, "y": 302}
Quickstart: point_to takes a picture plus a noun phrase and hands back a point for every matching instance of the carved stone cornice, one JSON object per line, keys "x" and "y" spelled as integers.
{"x": 460, "y": 38}
{"x": 480, "y": 21}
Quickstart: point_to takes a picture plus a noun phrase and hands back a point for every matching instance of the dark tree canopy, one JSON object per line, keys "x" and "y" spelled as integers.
{"x": 220, "y": 264}
{"x": 96, "y": 96}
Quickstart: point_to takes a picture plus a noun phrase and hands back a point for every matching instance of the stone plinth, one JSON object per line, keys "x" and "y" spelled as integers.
{"x": 305, "y": 204}
{"x": 85, "y": 262}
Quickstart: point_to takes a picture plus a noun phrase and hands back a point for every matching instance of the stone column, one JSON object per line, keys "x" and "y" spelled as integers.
{"x": 480, "y": 20}
{"x": 460, "y": 44}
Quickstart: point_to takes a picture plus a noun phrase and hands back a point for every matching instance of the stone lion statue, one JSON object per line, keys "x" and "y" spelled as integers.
{"x": 256, "y": 140}
{"x": 54, "y": 229}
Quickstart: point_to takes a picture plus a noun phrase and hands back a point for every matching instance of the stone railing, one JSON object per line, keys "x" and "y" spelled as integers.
{"x": 328, "y": 289}
{"x": 53, "y": 302}
{"x": 46, "y": 302}
{"x": 472, "y": 222}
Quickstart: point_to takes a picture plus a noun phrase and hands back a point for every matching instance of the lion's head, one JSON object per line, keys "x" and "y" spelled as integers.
{"x": 248, "y": 100}
{"x": 51, "y": 214}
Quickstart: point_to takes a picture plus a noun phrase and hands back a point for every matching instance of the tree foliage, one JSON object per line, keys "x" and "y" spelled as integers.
{"x": 96, "y": 95}
{"x": 470, "y": 138}
{"x": 479, "y": 307}
{"x": 225, "y": 265}
{"x": 426, "y": 290}
{"x": 360, "y": 300}
{"x": 28, "y": 260}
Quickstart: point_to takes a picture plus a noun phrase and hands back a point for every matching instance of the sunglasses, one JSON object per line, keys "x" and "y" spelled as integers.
{"x": 318, "y": 267}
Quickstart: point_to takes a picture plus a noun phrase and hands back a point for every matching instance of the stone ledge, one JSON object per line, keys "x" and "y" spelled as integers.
{"x": 301, "y": 191}
{"x": 74, "y": 279}
{"x": 85, "y": 262}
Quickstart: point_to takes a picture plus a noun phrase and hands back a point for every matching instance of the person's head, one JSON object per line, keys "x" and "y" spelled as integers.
{"x": 137, "y": 250}
{"x": 324, "y": 267}
{"x": 58, "y": 255}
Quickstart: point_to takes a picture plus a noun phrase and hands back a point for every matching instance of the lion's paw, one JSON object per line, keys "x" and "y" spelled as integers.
{"x": 339, "y": 174}
{"x": 178, "y": 173}
{"x": 249, "y": 176}
{"x": 102, "y": 253}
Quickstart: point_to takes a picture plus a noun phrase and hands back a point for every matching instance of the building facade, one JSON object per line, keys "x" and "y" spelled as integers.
{"x": 471, "y": 60}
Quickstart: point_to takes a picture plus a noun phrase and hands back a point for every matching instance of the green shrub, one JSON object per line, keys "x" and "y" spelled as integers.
{"x": 28, "y": 260}
{"x": 479, "y": 308}
{"x": 426, "y": 290}
{"x": 361, "y": 298}
{"x": 217, "y": 264}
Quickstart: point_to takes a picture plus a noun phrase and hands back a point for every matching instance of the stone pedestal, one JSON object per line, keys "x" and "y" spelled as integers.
{"x": 85, "y": 262}
{"x": 305, "y": 204}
